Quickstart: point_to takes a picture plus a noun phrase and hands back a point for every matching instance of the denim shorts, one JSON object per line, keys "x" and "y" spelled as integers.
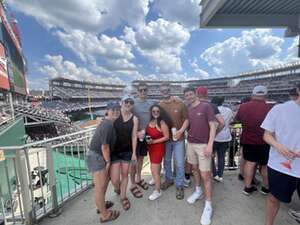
{"x": 94, "y": 161}
{"x": 117, "y": 157}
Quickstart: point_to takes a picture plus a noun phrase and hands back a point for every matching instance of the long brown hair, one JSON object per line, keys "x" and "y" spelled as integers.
{"x": 163, "y": 116}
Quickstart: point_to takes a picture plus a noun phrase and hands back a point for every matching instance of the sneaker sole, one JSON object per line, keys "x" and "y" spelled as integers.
{"x": 246, "y": 193}
{"x": 263, "y": 193}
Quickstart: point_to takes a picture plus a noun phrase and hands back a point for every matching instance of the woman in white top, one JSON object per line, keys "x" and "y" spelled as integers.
{"x": 222, "y": 139}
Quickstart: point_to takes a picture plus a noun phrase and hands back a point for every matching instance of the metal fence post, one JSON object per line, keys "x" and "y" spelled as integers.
{"x": 25, "y": 187}
{"x": 52, "y": 183}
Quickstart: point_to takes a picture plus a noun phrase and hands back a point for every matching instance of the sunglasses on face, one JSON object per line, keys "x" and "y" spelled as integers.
{"x": 155, "y": 111}
{"x": 143, "y": 90}
{"x": 129, "y": 102}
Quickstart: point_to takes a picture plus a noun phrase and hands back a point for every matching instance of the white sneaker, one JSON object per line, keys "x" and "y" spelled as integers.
{"x": 186, "y": 182}
{"x": 151, "y": 182}
{"x": 206, "y": 216}
{"x": 155, "y": 195}
{"x": 219, "y": 179}
{"x": 195, "y": 196}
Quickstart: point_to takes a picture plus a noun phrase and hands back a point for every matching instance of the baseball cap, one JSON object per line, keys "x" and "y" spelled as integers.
{"x": 201, "y": 90}
{"x": 112, "y": 105}
{"x": 260, "y": 90}
{"x": 127, "y": 97}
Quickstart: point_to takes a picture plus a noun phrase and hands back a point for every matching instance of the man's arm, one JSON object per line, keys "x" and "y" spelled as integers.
{"x": 269, "y": 138}
{"x": 212, "y": 135}
{"x": 184, "y": 126}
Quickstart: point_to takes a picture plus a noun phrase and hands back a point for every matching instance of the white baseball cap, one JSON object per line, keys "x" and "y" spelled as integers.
{"x": 260, "y": 90}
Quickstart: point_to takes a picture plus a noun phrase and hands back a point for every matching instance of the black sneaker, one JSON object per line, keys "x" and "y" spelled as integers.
{"x": 264, "y": 190}
{"x": 249, "y": 191}
{"x": 240, "y": 177}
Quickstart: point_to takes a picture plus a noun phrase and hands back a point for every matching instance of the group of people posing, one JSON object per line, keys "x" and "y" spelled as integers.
{"x": 140, "y": 126}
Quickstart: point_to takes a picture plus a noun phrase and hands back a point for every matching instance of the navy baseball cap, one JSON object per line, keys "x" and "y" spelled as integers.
{"x": 113, "y": 105}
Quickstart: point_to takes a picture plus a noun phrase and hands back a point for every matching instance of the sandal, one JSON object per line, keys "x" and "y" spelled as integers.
{"x": 125, "y": 203}
{"x": 113, "y": 214}
{"x": 143, "y": 184}
{"x": 136, "y": 192}
{"x": 108, "y": 205}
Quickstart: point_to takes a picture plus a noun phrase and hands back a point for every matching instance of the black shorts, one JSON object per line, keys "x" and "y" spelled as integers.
{"x": 141, "y": 148}
{"x": 282, "y": 186}
{"x": 256, "y": 153}
{"x": 116, "y": 157}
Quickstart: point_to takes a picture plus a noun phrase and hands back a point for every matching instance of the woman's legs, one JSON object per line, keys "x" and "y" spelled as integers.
{"x": 124, "y": 179}
{"x": 115, "y": 175}
{"x": 100, "y": 180}
{"x": 155, "y": 170}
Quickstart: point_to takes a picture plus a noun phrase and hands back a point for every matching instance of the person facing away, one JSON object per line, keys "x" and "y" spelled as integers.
{"x": 222, "y": 139}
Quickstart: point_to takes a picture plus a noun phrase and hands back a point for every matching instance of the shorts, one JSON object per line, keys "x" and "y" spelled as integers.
{"x": 195, "y": 155}
{"x": 141, "y": 148}
{"x": 94, "y": 162}
{"x": 117, "y": 157}
{"x": 282, "y": 186}
{"x": 256, "y": 153}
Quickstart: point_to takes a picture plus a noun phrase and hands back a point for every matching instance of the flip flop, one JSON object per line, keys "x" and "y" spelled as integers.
{"x": 136, "y": 192}
{"x": 112, "y": 216}
{"x": 143, "y": 184}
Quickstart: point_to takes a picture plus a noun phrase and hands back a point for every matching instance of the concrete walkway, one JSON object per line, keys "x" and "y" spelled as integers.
{"x": 231, "y": 207}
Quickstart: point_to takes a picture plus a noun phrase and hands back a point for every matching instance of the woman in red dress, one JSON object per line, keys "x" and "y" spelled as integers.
{"x": 157, "y": 134}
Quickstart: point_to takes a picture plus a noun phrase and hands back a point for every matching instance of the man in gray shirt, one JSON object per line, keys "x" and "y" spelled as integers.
{"x": 141, "y": 111}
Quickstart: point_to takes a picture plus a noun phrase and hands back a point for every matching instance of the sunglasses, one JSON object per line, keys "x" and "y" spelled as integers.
{"x": 129, "y": 102}
{"x": 155, "y": 111}
{"x": 143, "y": 90}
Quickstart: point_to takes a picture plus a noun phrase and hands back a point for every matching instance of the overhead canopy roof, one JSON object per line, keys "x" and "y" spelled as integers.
{"x": 250, "y": 13}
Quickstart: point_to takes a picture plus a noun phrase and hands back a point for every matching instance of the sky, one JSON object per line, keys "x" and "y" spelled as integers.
{"x": 111, "y": 41}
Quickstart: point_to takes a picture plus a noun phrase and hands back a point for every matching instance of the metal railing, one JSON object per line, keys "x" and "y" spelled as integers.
{"x": 37, "y": 178}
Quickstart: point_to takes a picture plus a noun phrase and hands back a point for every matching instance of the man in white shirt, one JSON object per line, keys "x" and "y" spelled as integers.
{"x": 283, "y": 134}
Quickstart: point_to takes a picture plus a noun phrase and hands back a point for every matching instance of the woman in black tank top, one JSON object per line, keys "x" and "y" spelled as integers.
{"x": 125, "y": 149}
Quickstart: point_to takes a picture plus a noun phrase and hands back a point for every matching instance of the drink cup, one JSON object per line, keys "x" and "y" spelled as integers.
{"x": 174, "y": 130}
{"x": 142, "y": 133}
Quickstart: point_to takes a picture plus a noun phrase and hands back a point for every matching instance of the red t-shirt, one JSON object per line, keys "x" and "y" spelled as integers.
{"x": 199, "y": 118}
{"x": 251, "y": 114}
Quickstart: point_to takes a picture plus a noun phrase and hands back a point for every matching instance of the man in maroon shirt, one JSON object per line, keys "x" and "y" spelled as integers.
{"x": 255, "y": 150}
{"x": 201, "y": 135}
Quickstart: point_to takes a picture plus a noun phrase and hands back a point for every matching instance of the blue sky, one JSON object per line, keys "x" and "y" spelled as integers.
{"x": 118, "y": 41}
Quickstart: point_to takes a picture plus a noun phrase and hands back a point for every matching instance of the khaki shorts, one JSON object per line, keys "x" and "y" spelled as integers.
{"x": 195, "y": 156}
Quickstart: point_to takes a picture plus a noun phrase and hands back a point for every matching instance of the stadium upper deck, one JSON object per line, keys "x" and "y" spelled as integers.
{"x": 67, "y": 89}
{"x": 279, "y": 81}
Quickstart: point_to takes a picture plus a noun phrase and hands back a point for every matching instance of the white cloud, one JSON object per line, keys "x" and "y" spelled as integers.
{"x": 114, "y": 54}
{"x": 92, "y": 15}
{"x": 254, "y": 49}
{"x": 185, "y": 12}
{"x": 161, "y": 42}
{"x": 201, "y": 74}
{"x": 58, "y": 67}
{"x": 292, "y": 51}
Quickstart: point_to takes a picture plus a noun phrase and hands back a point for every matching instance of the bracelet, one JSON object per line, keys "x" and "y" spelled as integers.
{"x": 108, "y": 161}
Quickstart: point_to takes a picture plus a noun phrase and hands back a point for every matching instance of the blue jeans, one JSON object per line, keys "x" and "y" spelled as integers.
{"x": 219, "y": 148}
{"x": 179, "y": 151}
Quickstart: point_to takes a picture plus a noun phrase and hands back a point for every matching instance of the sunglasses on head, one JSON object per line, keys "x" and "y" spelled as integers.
{"x": 128, "y": 101}
{"x": 143, "y": 90}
